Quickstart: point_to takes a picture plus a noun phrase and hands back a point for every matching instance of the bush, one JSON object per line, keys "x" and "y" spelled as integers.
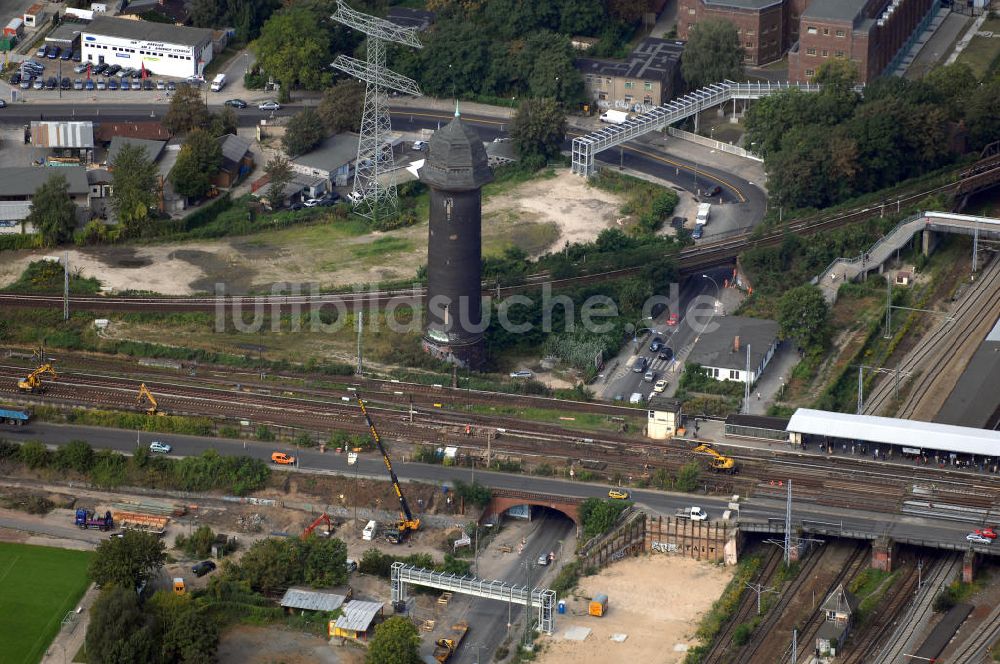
{"x": 944, "y": 601}
{"x": 742, "y": 634}
{"x": 34, "y": 455}
{"x": 474, "y": 493}
{"x": 688, "y": 476}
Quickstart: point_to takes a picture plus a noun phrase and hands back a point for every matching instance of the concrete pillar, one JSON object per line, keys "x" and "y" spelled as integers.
{"x": 969, "y": 567}
{"x": 929, "y": 242}
{"x": 882, "y": 550}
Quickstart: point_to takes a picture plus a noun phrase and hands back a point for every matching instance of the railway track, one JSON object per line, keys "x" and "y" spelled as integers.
{"x": 915, "y": 619}
{"x": 807, "y": 634}
{"x": 862, "y": 651}
{"x": 984, "y": 173}
{"x": 745, "y": 611}
{"x": 973, "y": 649}
{"x": 982, "y": 302}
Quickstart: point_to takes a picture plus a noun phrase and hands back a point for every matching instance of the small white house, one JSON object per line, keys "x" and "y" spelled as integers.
{"x": 723, "y": 352}
{"x": 663, "y": 417}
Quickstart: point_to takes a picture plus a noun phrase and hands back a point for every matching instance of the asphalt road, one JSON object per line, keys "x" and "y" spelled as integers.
{"x": 745, "y": 202}
{"x": 624, "y": 381}
{"x": 930, "y": 530}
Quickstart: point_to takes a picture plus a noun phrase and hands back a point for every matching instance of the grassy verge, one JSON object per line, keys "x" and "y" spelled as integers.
{"x": 587, "y": 421}
{"x": 983, "y": 53}
{"x": 41, "y": 585}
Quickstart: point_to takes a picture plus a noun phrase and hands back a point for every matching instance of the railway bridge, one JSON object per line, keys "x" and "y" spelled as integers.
{"x": 504, "y": 499}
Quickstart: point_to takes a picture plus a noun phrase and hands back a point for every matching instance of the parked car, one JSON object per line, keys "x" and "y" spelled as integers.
{"x": 355, "y": 197}
{"x": 113, "y": 69}
{"x": 162, "y": 448}
{"x": 38, "y": 84}
{"x": 160, "y": 85}
{"x": 977, "y": 539}
{"x": 656, "y": 344}
{"x": 112, "y": 84}
{"x": 618, "y": 494}
{"x": 80, "y": 68}
{"x": 88, "y": 84}
{"x": 99, "y": 68}
{"x": 66, "y": 55}
{"x": 650, "y": 376}
{"x": 419, "y": 145}
{"x": 640, "y": 365}
{"x": 660, "y": 386}
{"x": 543, "y": 559}
{"x": 66, "y": 83}
{"x": 125, "y": 85}
{"x": 26, "y": 82}
{"x": 149, "y": 85}
{"x": 269, "y": 106}
{"x": 521, "y": 373}
{"x": 101, "y": 84}
{"x": 988, "y": 533}
{"x": 15, "y": 79}
{"x": 297, "y": 205}
{"x": 3, "y": 104}
{"x": 41, "y": 53}
{"x": 78, "y": 84}
{"x": 203, "y": 568}
{"x": 52, "y": 83}
{"x": 312, "y": 202}
{"x": 330, "y": 199}
{"x": 235, "y": 103}
{"x": 672, "y": 320}
{"x": 171, "y": 85}
{"x": 698, "y": 231}
{"x": 53, "y": 53}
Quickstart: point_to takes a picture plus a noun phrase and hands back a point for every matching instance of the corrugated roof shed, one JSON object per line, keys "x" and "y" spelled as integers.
{"x": 358, "y": 615}
{"x": 46, "y": 134}
{"x": 924, "y": 435}
{"x": 150, "y": 130}
{"x": 233, "y": 149}
{"x": 312, "y": 600}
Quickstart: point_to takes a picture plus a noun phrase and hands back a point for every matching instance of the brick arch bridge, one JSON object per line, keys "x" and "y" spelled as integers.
{"x": 504, "y": 499}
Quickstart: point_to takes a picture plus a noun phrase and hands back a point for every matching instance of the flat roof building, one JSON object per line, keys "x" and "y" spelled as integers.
{"x": 164, "y": 49}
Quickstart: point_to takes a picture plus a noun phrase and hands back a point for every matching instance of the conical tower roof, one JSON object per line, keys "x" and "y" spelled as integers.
{"x": 456, "y": 159}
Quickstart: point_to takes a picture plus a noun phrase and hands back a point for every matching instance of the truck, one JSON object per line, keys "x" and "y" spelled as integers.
{"x": 704, "y": 209}
{"x": 88, "y": 519}
{"x": 13, "y": 416}
{"x": 693, "y": 513}
{"x": 218, "y": 82}
{"x": 614, "y": 117}
{"x": 447, "y": 646}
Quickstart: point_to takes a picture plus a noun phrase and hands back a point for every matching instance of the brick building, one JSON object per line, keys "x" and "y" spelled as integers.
{"x": 869, "y": 32}
{"x": 649, "y": 77}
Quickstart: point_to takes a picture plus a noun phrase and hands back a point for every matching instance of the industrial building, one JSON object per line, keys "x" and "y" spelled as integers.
{"x": 166, "y": 50}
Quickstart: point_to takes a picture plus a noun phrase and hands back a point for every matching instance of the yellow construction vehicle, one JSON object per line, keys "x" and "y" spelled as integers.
{"x": 407, "y": 523}
{"x": 719, "y": 462}
{"x": 144, "y": 393}
{"x": 33, "y": 381}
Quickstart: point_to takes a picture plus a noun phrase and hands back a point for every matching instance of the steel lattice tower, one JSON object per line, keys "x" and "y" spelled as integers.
{"x": 375, "y": 156}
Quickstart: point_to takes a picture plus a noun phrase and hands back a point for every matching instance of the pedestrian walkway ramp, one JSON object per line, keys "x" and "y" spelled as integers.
{"x": 848, "y": 269}
{"x": 585, "y": 148}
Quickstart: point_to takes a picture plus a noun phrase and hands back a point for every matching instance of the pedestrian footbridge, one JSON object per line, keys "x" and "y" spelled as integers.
{"x": 928, "y": 223}
{"x": 585, "y": 148}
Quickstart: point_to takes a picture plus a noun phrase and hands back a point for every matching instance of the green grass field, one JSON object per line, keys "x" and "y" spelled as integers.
{"x": 40, "y": 585}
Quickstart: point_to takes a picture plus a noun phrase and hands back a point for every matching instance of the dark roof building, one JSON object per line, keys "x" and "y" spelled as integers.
{"x": 149, "y": 31}
{"x": 177, "y": 11}
{"x": 722, "y": 352}
{"x": 330, "y": 158}
{"x": 152, "y": 130}
{"x": 650, "y": 76}
{"x": 237, "y": 160}
{"x": 20, "y": 183}
{"x": 153, "y": 148}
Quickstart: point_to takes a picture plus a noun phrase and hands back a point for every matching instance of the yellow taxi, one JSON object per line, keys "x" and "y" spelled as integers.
{"x": 618, "y": 494}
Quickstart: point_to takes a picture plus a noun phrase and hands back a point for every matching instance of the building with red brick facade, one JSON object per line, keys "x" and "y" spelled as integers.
{"x": 871, "y": 33}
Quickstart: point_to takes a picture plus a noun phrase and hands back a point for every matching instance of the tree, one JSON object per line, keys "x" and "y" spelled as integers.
{"x": 397, "y": 641}
{"x": 185, "y": 636}
{"x": 687, "y": 477}
{"x": 305, "y": 131}
{"x": 119, "y": 632}
{"x": 289, "y": 48}
{"x": 187, "y": 110}
{"x": 197, "y": 164}
{"x": 598, "y": 516}
{"x": 280, "y": 173}
{"x": 76, "y": 455}
{"x": 199, "y": 544}
{"x": 53, "y": 213}
{"x": 538, "y": 129}
{"x": 127, "y": 561}
{"x": 134, "y": 188}
{"x": 803, "y": 315}
{"x": 224, "y": 122}
{"x": 713, "y": 53}
{"x": 341, "y": 106}
{"x": 324, "y": 561}
{"x": 272, "y": 564}
{"x": 247, "y": 16}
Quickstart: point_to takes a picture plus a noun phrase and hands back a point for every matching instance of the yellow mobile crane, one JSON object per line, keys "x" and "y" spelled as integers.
{"x": 144, "y": 393}
{"x": 407, "y": 522}
{"x": 33, "y": 381}
{"x": 719, "y": 462}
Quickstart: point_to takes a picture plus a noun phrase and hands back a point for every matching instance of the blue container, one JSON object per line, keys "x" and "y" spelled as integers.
{"x": 562, "y": 606}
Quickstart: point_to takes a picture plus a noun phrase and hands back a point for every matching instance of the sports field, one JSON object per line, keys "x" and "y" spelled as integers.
{"x": 39, "y": 585}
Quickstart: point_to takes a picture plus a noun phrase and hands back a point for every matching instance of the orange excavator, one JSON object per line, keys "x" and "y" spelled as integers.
{"x": 324, "y": 517}
{"x": 144, "y": 393}
{"x": 33, "y": 381}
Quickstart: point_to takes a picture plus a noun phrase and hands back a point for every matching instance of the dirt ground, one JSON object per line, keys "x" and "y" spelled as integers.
{"x": 655, "y": 600}
{"x": 246, "y": 644}
{"x": 535, "y": 216}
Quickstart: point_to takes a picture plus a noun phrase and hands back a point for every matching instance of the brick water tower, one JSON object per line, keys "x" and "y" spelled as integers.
{"x": 455, "y": 171}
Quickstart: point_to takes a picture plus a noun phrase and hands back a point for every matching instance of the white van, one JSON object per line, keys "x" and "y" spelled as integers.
{"x": 218, "y": 82}
{"x": 369, "y": 533}
{"x": 703, "y": 211}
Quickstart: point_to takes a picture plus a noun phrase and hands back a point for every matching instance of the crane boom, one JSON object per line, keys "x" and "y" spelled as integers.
{"x": 407, "y": 522}
{"x": 145, "y": 393}
{"x": 719, "y": 461}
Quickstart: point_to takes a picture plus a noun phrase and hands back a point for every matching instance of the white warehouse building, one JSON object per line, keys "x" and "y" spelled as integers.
{"x": 164, "y": 49}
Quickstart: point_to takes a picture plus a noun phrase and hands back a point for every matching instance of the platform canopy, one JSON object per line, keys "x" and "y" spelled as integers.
{"x": 893, "y": 431}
